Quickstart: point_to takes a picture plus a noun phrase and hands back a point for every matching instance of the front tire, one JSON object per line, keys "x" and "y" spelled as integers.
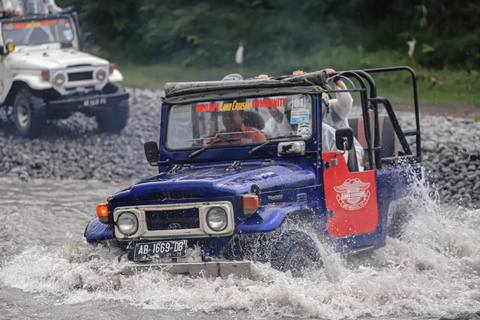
{"x": 297, "y": 252}
{"x": 29, "y": 113}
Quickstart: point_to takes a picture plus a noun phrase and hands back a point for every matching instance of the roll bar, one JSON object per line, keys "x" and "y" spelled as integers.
{"x": 374, "y": 157}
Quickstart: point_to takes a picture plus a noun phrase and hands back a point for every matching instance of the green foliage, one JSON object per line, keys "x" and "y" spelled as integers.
{"x": 285, "y": 34}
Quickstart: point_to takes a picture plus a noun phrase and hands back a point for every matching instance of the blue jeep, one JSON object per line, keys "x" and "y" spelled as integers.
{"x": 229, "y": 191}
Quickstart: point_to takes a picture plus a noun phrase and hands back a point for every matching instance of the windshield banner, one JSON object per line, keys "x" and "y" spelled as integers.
{"x": 237, "y": 105}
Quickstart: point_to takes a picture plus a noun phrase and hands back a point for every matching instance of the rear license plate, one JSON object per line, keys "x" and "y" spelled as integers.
{"x": 162, "y": 249}
{"x": 95, "y": 102}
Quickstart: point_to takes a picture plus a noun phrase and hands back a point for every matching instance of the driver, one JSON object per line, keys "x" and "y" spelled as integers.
{"x": 236, "y": 131}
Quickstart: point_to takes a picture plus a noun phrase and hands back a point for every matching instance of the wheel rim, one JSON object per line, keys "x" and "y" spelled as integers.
{"x": 22, "y": 114}
{"x": 298, "y": 264}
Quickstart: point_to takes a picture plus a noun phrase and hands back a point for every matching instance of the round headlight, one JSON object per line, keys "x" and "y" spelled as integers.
{"x": 101, "y": 75}
{"x": 217, "y": 219}
{"x": 127, "y": 223}
{"x": 59, "y": 79}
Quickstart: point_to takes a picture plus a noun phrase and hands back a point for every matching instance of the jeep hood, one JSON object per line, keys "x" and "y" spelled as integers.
{"x": 51, "y": 58}
{"x": 218, "y": 181}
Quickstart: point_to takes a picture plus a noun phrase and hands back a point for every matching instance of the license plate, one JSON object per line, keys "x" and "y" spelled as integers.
{"x": 162, "y": 249}
{"x": 95, "y": 102}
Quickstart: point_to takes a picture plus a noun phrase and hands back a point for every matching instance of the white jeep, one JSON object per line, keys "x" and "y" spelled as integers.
{"x": 44, "y": 75}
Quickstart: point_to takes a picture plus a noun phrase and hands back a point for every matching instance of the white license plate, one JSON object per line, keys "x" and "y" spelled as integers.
{"x": 162, "y": 249}
{"x": 95, "y": 102}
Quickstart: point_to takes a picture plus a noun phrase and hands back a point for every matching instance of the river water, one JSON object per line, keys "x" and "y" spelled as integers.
{"x": 48, "y": 271}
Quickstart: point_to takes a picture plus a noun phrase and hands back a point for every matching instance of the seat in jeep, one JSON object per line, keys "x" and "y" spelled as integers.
{"x": 388, "y": 137}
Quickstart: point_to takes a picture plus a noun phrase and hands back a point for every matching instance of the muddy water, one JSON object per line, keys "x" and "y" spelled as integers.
{"x": 48, "y": 271}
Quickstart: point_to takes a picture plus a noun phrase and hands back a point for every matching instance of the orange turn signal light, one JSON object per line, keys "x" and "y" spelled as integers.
{"x": 46, "y": 75}
{"x": 250, "y": 203}
{"x": 102, "y": 210}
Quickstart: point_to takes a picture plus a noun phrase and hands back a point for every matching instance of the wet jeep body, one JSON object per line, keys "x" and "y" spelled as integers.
{"x": 260, "y": 201}
{"x": 45, "y": 75}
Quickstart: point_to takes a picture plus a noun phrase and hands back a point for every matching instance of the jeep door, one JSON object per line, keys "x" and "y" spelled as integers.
{"x": 351, "y": 198}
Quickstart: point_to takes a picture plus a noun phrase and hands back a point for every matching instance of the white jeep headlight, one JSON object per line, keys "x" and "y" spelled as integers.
{"x": 100, "y": 75}
{"x": 59, "y": 79}
{"x": 217, "y": 219}
{"x": 127, "y": 223}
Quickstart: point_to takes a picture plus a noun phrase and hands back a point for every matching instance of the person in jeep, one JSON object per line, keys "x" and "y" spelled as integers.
{"x": 236, "y": 131}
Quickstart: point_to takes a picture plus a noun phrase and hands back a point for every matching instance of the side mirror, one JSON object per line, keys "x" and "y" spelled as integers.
{"x": 344, "y": 139}
{"x": 9, "y": 47}
{"x": 151, "y": 152}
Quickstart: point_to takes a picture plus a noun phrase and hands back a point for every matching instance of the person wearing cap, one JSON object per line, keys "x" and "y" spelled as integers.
{"x": 335, "y": 115}
{"x": 278, "y": 124}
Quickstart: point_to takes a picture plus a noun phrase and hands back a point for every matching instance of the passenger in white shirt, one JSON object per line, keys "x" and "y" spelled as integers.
{"x": 335, "y": 115}
{"x": 278, "y": 125}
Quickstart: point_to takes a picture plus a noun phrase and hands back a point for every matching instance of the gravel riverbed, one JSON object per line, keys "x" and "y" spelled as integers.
{"x": 72, "y": 149}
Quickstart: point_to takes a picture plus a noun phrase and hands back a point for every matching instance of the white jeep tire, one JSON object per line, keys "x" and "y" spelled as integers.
{"x": 29, "y": 113}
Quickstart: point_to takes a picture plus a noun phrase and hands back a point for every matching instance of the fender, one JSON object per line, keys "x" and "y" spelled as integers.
{"x": 116, "y": 76}
{"x": 269, "y": 218}
{"x": 97, "y": 231}
{"x": 35, "y": 82}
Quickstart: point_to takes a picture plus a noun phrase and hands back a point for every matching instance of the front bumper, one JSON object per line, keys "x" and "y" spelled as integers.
{"x": 196, "y": 269}
{"x": 88, "y": 102}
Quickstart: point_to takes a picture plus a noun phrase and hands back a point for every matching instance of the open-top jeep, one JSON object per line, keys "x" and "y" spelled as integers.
{"x": 45, "y": 75}
{"x": 230, "y": 192}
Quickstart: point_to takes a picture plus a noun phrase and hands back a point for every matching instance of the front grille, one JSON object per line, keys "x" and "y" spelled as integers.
{"x": 80, "y": 76}
{"x": 172, "y": 219}
{"x": 171, "y": 195}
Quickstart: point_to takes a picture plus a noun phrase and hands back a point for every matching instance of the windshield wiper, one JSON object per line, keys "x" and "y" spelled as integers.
{"x": 220, "y": 139}
{"x": 274, "y": 138}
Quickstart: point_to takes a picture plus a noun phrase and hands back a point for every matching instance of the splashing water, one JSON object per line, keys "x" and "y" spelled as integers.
{"x": 433, "y": 270}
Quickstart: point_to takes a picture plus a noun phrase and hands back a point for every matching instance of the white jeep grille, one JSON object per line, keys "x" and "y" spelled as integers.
{"x": 173, "y": 221}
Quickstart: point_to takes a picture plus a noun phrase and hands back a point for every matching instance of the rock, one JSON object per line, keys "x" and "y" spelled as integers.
{"x": 429, "y": 145}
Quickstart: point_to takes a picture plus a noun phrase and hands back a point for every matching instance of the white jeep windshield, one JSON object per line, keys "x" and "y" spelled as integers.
{"x": 240, "y": 121}
{"x": 36, "y": 32}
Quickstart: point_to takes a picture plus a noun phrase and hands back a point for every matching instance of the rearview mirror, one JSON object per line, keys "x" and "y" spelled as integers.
{"x": 151, "y": 152}
{"x": 344, "y": 139}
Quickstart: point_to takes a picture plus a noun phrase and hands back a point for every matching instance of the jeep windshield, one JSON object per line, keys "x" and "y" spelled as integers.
{"x": 223, "y": 123}
{"x": 35, "y": 32}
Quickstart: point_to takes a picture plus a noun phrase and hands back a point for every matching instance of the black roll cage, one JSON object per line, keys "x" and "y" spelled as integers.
{"x": 374, "y": 160}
